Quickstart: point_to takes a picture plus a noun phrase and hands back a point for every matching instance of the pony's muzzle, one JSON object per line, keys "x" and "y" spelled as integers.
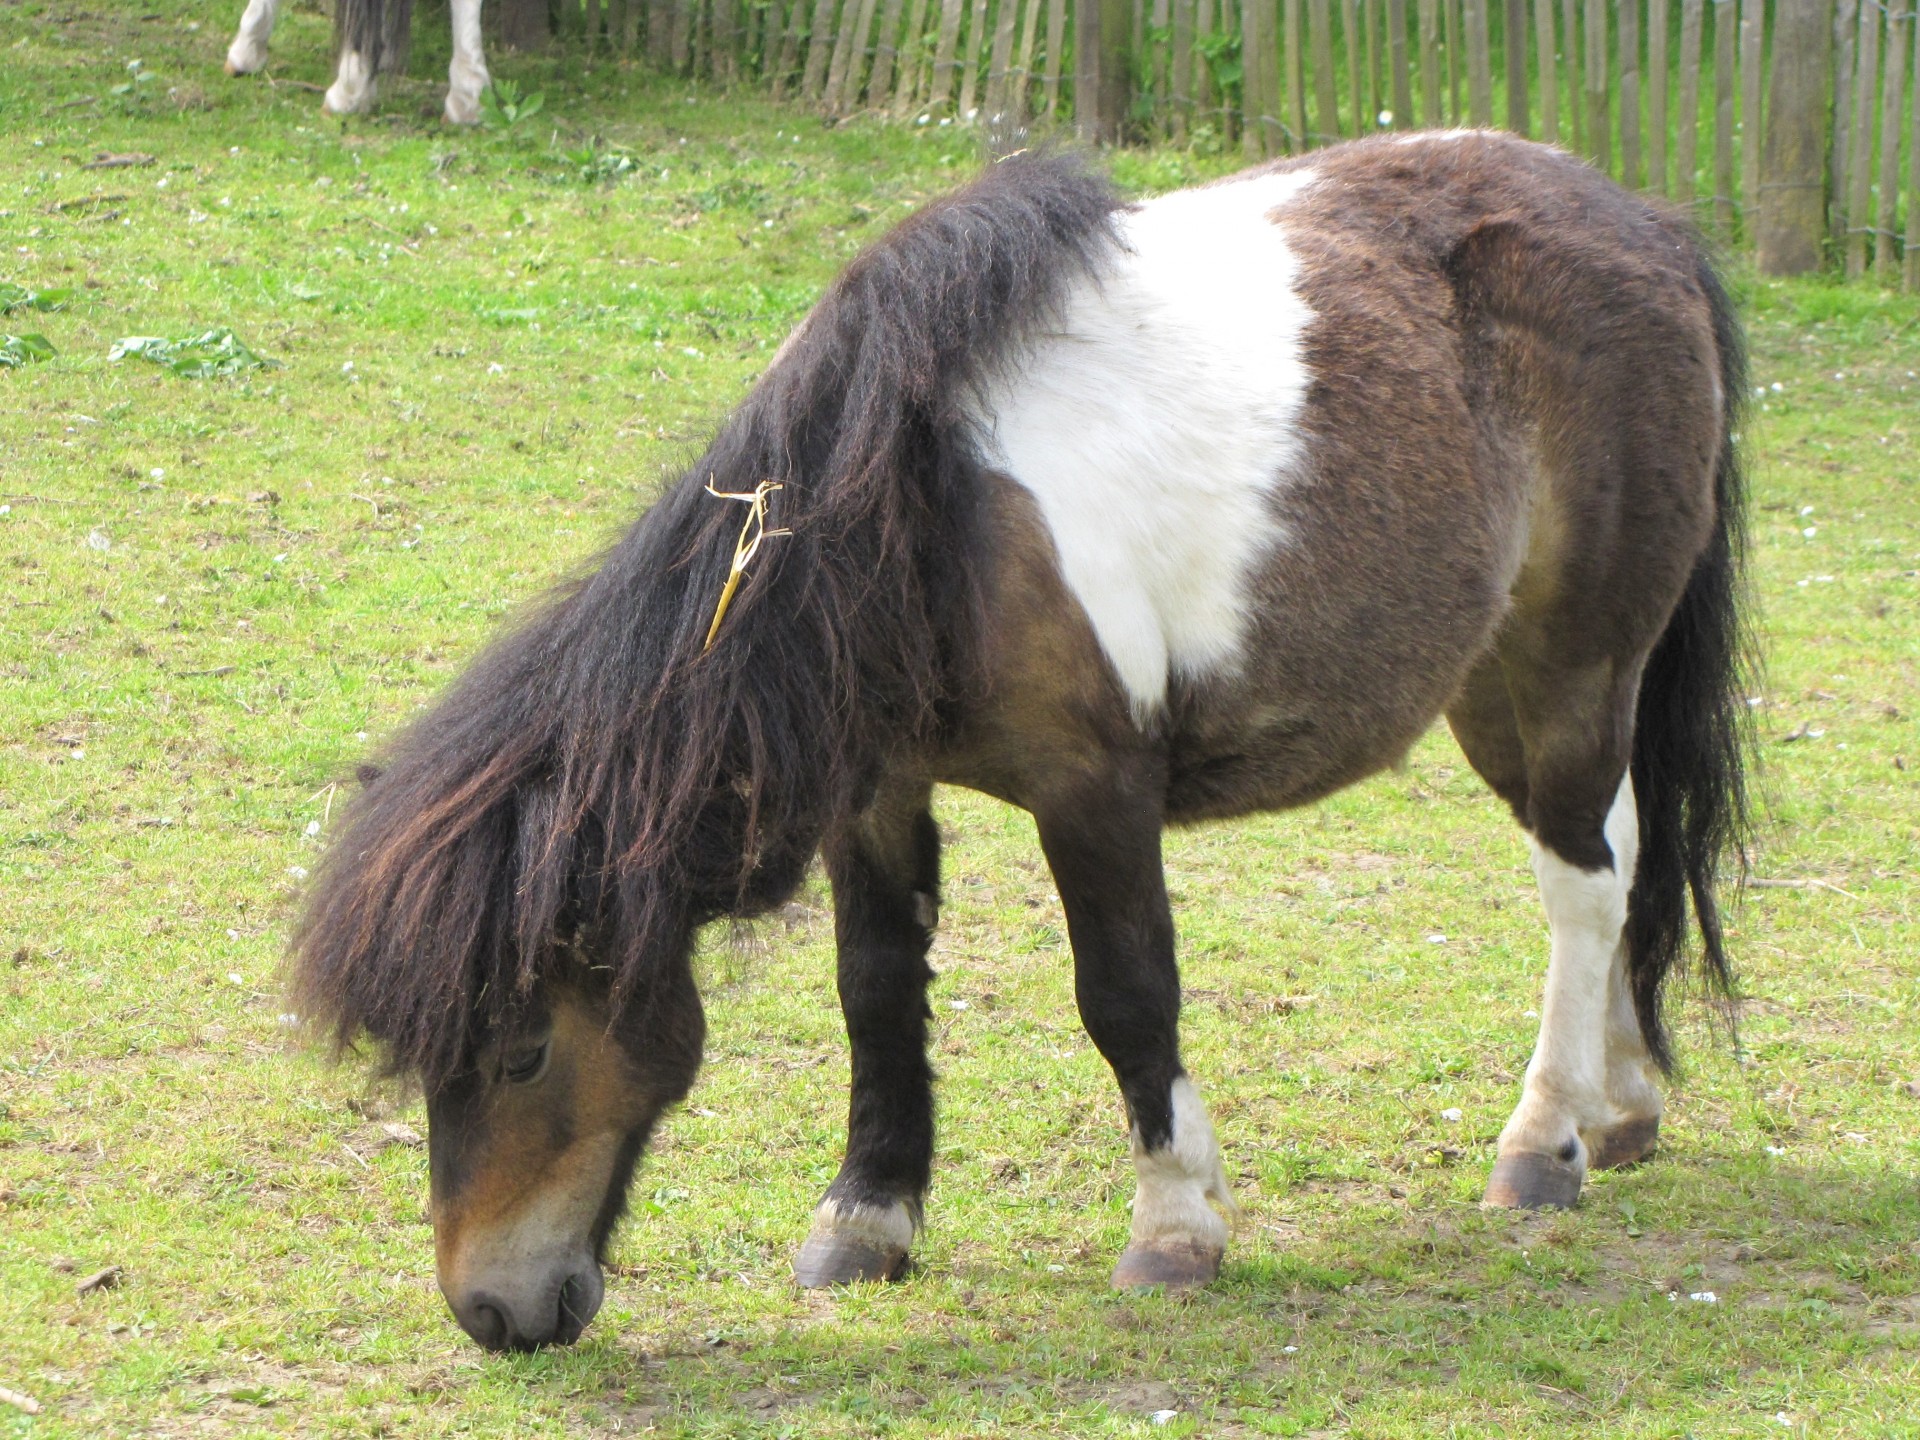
{"x": 549, "y": 1308}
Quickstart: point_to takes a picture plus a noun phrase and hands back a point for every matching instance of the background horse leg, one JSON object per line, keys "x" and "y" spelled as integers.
{"x": 467, "y": 76}
{"x": 1554, "y": 744}
{"x": 1104, "y": 850}
{"x": 886, "y": 882}
{"x": 249, "y": 49}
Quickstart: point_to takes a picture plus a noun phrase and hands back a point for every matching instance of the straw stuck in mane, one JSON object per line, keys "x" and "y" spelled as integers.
{"x": 595, "y": 776}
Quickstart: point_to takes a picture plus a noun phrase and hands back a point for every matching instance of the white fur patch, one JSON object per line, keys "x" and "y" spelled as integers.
{"x": 1566, "y": 1085}
{"x": 249, "y": 49}
{"x": 1176, "y": 1184}
{"x": 352, "y": 90}
{"x": 892, "y": 1226}
{"x": 1155, "y": 421}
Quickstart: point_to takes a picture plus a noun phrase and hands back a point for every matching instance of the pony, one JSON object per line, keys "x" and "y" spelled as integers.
{"x": 373, "y": 37}
{"x": 1132, "y": 515}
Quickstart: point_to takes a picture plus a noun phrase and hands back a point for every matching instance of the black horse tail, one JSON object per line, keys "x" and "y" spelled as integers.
{"x": 1692, "y": 730}
{"x": 380, "y": 31}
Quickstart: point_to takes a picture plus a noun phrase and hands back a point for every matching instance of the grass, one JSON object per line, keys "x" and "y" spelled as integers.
{"x": 482, "y": 363}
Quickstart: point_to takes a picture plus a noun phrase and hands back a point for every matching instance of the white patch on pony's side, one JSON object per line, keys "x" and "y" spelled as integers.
{"x": 1154, "y": 422}
{"x": 249, "y": 49}
{"x": 467, "y": 76}
{"x": 1176, "y": 1184}
{"x": 352, "y": 90}
{"x": 1566, "y": 1085}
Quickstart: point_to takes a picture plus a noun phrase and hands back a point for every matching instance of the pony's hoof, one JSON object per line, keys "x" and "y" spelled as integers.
{"x": 1623, "y": 1144}
{"x": 834, "y": 1258}
{"x": 1526, "y": 1181}
{"x": 1167, "y": 1265}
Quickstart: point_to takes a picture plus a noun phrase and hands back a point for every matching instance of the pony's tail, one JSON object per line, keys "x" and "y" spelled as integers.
{"x": 1691, "y": 732}
{"x": 379, "y": 31}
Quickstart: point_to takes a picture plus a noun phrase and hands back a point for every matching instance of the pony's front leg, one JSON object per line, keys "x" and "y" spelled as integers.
{"x": 249, "y": 49}
{"x": 886, "y": 880}
{"x": 1104, "y": 849}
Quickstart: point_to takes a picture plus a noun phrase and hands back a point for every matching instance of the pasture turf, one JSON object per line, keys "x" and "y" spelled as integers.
{"x": 489, "y": 349}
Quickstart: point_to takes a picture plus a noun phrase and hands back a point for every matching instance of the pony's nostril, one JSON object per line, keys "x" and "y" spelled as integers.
{"x": 484, "y": 1322}
{"x": 580, "y": 1297}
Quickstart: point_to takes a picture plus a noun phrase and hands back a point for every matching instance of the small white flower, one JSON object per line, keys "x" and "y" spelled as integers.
{"x": 98, "y": 540}
{"x": 157, "y": 473}
{"x": 1436, "y": 939}
{"x": 298, "y": 872}
{"x": 313, "y": 827}
{"x": 1776, "y": 1149}
{"x": 1162, "y": 1417}
{"x": 1453, "y": 1115}
{"x": 1385, "y": 118}
{"x": 1811, "y": 531}
{"x": 1704, "y": 1297}
{"x": 347, "y": 368}
{"x": 76, "y": 754}
{"x": 496, "y": 368}
{"x": 1289, "y": 1349}
{"x": 236, "y": 977}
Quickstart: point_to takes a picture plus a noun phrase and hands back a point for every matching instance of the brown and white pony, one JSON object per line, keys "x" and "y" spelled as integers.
{"x": 373, "y": 37}
{"x": 1131, "y": 515}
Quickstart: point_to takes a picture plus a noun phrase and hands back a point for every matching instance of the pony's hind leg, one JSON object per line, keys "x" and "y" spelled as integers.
{"x": 248, "y": 52}
{"x": 886, "y": 875}
{"x": 1104, "y": 850}
{"x": 1559, "y": 758}
{"x": 467, "y": 76}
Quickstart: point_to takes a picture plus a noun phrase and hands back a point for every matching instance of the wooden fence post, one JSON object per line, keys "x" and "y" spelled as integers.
{"x": 1630, "y": 94}
{"x": 1515, "y": 43}
{"x": 1853, "y": 237}
{"x": 1792, "y": 192}
{"x": 1102, "y": 30}
{"x": 1657, "y": 80}
{"x": 1479, "y": 67}
{"x": 1899, "y": 41}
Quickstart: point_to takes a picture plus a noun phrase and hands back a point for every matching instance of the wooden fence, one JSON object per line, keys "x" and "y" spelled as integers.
{"x": 1802, "y": 115}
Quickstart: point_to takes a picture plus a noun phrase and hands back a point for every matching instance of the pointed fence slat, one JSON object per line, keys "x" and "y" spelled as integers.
{"x": 1913, "y": 171}
{"x": 1023, "y": 58}
{"x": 1349, "y": 37}
{"x": 1454, "y": 67}
{"x": 1657, "y": 81}
{"x": 1630, "y": 93}
{"x": 1514, "y": 41}
{"x": 1326, "y": 102}
{"x": 908, "y": 60}
{"x": 1180, "y": 80}
{"x": 970, "y": 71}
{"x": 1573, "y": 41}
{"x": 1000, "y": 63}
{"x": 813, "y": 81}
{"x": 1899, "y": 42}
{"x": 1686, "y": 145}
{"x": 1543, "y": 44}
{"x": 1724, "y": 26}
{"x": 1599, "y": 117}
{"x": 1860, "y": 147}
{"x": 1397, "y": 59}
{"x": 1295, "y": 59}
{"x": 1479, "y": 65}
{"x": 1432, "y": 111}
{"x": 880, "y": 82}
{"x": 1753, "y": 16}
{"x": 1056, "y": 48}
{"x": 1846, "y": 35}
{"x": 940, "y": 89}
{"x": 1252, "y": 131}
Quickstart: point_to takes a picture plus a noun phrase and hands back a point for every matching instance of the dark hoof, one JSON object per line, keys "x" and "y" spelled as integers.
{"x": 1624, "y": 1144}
{"x": 1171, "y": 1265}
{"x": 1525, "y": 1181}
{"x": 832, "y": 1258}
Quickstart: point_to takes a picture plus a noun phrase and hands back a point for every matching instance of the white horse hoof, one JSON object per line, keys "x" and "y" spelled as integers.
{"x": 245, "y": 59}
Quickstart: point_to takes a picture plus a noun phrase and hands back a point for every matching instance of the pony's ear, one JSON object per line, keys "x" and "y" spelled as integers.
{"x": 366, "y": 774}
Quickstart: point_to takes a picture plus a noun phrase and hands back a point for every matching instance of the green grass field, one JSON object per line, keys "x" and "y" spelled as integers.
{"x": 489, "y": 348}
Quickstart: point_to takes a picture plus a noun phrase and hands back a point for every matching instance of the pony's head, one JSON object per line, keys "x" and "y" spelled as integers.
{"x": 533, "y": 1142}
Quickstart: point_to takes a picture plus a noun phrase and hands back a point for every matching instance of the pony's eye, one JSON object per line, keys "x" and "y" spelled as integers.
{"x": 520, "y": 1066}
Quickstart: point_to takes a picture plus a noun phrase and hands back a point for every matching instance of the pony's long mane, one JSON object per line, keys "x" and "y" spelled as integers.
{"x": 595, "y": 773}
